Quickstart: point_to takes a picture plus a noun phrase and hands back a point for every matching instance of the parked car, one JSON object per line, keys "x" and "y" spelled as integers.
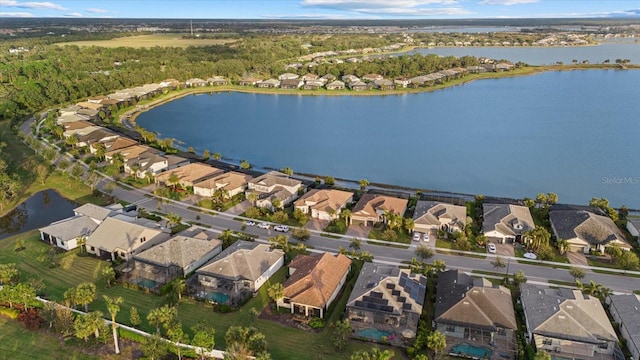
{"x": 425, "y": 237}
{"x": 281, "y": 228}
{"x": 491, "y": 247}
{"x": 416, "y": 236}
{"x": 264, "y": 226}
{"x": 250, "y": 223}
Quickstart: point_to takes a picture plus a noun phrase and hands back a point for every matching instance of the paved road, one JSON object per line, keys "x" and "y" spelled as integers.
{"x": 383, "y": 254}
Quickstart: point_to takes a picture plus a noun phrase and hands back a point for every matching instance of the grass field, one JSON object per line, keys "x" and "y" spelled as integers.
{"x": 141, "y": 41}
{"x": 20, "y": 344}
{"x": 284, "y": 342}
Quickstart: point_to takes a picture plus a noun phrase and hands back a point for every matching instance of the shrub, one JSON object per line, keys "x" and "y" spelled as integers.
{"x": 10, "y": 313}
{"x": 317, "y": 323}
{"x": 223, "y": 308}
{"x": 389, "y": 235}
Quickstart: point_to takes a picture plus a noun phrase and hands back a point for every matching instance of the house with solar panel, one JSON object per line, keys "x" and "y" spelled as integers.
{"x": 386, "y": 303}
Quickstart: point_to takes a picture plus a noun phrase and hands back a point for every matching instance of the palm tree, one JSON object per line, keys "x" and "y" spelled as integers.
{"x": 563, "y": 245}
{"x": 85, "y": 294}
{"x": 276, "y": 292}
{"x": 217, "y": 156}
{"x": 346, "y": 215}
{"x": 174, "y": 219}
{"x": 538, "y": 237}
{"x": 363, "y": 184}
{"x": 173, "y": 180}
{"x": 82, "y": 241}
{"x": 252, "y": 197}
{"x": 179, "y": 287}
{"x": 113, "y": 306}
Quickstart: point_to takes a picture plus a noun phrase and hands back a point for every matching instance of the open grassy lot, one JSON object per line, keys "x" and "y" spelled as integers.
{"x": 141, "y": 41}
{"x": 284, "y": 342}
{"x": 18, "y": 343}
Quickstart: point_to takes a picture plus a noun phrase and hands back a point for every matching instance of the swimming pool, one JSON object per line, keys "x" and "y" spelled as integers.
{"x": 146, "y": 283}
{"x": 468, "y": 350}
{"x": 374, "y": 334}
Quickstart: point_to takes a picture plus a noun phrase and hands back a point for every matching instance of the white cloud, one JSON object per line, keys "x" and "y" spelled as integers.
{"x": 16, "y": 14}
{"x": 96, "y": 11}
{"x": 32, "y": 5}
{"x": 73, "y": 14}
{"x": 391, "y": 7}
{"x": 507, "y": 2}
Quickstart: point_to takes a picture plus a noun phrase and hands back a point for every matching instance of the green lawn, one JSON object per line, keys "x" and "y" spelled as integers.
{"x": 17, "y": 343}
{"x": 284, "y": 342}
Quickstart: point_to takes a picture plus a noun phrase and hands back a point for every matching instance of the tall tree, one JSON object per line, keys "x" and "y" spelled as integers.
{"x": 436, "y": 341}
{"x": 340, "y": 332}
{"x": 85, "y": 294}
{"x": 179, "y": 286}
{"x": 203, "y": 338}
{"x": 177, "y": 336}
{"x": 113, "y": 306}
{"x": 276, "y": 292}
{"x": 9, "y": 274}
{"x": 424, "y": 252}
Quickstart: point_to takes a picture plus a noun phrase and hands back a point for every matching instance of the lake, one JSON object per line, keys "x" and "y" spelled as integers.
{"x": 545, "y": 55}
{"x": 41, "y": 209}
{"x": 570, "y": 132}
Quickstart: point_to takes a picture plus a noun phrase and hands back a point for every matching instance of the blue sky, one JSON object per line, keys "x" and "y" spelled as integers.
{"x": 321, "y": 9}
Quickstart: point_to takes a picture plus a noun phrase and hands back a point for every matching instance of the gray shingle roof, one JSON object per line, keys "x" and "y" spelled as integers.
{"x": 93, "y": 211}
{"x": 503, "y": 217}
{"x": 429, "y": 213}
{"x": 242, "y": 260}
{"x": 592, "y": 228}
{"x": 71, "y": 228}
{"x": 179, "y": 251}
{"x": 114, "y": 233}
{"x": 628, "y": 306}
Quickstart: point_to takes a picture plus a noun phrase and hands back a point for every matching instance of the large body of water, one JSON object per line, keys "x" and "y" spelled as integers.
{"x": 40, "y": 210}
{"x": 570, "y": 132}
{"x": 546, "y": 55}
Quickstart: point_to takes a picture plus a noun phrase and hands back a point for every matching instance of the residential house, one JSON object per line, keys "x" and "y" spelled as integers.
{"x": 248, "y": 81}
{"x": 288, "y": 76}
{"x": 314, "y": 283}
{"x": 567, "y": 323}
{"x": 383, "y": 84}
{"x": 271, "y": 83}
{"x": 291, "y": 84}
{"x": 372, "y": 77}
{"x": 171, "y": 83}
{"x": 323, "y": 204}
{"x": 625, "y": 310}
{"x": 238, "y": 272}
{"x": 476, "y": 69}
{"x": 115, "y": 238}
{"x": 503, "y": 67}
{"x": 92, "y": 105}
{"x": 195, "y": 82}
{"x": 309, "y": 77}
{"x": 372, "y": 208}
{"x": 232, "y": 182}
{"x": 586, "y": 231}
{"x": 149, "y": 162}
{"x": 97, "y": 99}
{"x": 95, "y": 136}
{"x": 113, "y": 145}
{"x": 66, "y": 233}
{"x": 274, "y": 185}
{"x": 79, "y": 129}
{"x": 506, "y": 223}
{"x": 69, "y": 110}
{"x": 402, "y": 82}
{"x": 128, "y": 153}
{"x": 217, "y": 81}
{"x": 313, "y": 85}
{"x": 387, "y": 299}
{"x": 349, "y": 78}
{"x": 474, "y": 309}
{"x": 97, "y": 213}
{"x": 175, "y": 161}
{"x": 67, "y": 118}
{"x": 171, "y": 259}
{"x": 93, "y": 115}
{"x": 335, "y": 85}
{"x": 328, "y": 77}
{"x": 188, "y": 174}
{"x": 633, "y": 226}
{"x": 358, "y": 85}
{"x": 433, "y": 215}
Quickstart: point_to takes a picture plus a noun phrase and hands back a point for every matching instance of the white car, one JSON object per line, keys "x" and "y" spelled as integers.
{"x": 264, "y": 226}
{"x": 281, "y": 228}
{"x": 250, "y": 223}
{"x": 425, "y": 237}
{"x": 416, "y": 236}
{"x": 491, "y": 247}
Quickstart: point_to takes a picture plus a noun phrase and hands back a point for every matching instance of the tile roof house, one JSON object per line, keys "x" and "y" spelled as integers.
{"x": 358, "y": 85}
{"x": 233, "y": 182}
{"x": 586, "y": 231}
{"x": 383, "y": 84}
{"x": 323, "y": 204}
{"x": 195, "y": 82}
{"x": 475, "y": 309}
{"x": 270, "y": 83}
{"x": 625, "y": 310}
{"x": 238, "y": 272}
{"x": 130, "y": 152}
{"x": 116, "y": 238}
{"x": 217, "y": 81}
{"x": 288, "y": 76}
{"x": 149, "y": 161}
{"x": 335, "y": 85}
{"x": 505, "y": 222}
{"x": 291, "y": 84}
{"x": 433, "y": 215}
{"x": 171, "y": 259}
{"x": 95, "y": 212}
{"x": 371, "y": 208}
{"x": 95, "y": 136}
{"x": 567, "y": 323}
{"x": 66, "y": 233}
{"x": 372, "y": 77}
{"x": 248, "y": 81}
{"x": 388, "y": 299}
{"x": 113, "y": 144}
{"x": 274, "y": 185}
{"x": 188, "y": 174}
{"x": 314, "y": 283}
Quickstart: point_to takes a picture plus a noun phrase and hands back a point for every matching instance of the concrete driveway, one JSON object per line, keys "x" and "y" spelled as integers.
{"x": 576, "y": 258}
{"x": 505, "y": 249}
{"x": 316, "y": 224}
{"x": 358, "y": 230}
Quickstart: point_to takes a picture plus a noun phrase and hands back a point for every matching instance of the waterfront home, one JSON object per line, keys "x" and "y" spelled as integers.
{"x": 170, "y": 83}
{"x": 567, "y": 323}
{"x": 358, "y": 85}
{"x": 288, "y": 76}
{"x": 323, "y": 204}
{"x": 625, "y": 310}
{"x": 476, "y": 69}
{"x": 633, "y": 226}
{"x": 349, "y": 78}
{"x": 66, "y": 233}
{"x": 271, "y": 83}
{"x": 387, "y": 300}
{"x": 233, "y": 183}
{"x": 273, "y": 185}
{"x": 217, "y": 81}
{"x": 195, "y": 82}
{"x": 402, "y": 82}
{"x": 383, "y": 84}
{"x": 506, "y": 223}
{"x": 97, "y": 213}
{"x": 314, "y": 283}
{"x": 372, "y": 209}
{"x": 129, "y": 152}
{"x": 111, "y": 145}
{"x": 503, "y": 66}
{"x": 115, "y": 238}
{"x": 310, "y": 76}
{"x": 188, "y": 174}
{"x": 248, "y": 81}
{"x": 238, "y": 272}
{"x": 176, "y": 257}
{"x": 312, "y": 85}
{"x": 95, "y": 136}
{"x": 149, "y": 162}
{"x": 372, "y": 77}
{"x": 586, "y": 231}
{"x": 473, "y": 309}
{"x": 291, "y": 84}
{"x": 328, "y": 77}
{"x": 433, "y": 215}
{"x": 335, "y": 85}
{"x": 175, "y": 161}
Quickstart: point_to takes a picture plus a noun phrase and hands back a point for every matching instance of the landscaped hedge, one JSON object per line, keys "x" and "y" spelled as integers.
{"x": 10, "y": 313}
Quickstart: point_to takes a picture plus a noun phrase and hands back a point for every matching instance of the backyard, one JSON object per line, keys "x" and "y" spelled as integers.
{"x": 284, "y": 342}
